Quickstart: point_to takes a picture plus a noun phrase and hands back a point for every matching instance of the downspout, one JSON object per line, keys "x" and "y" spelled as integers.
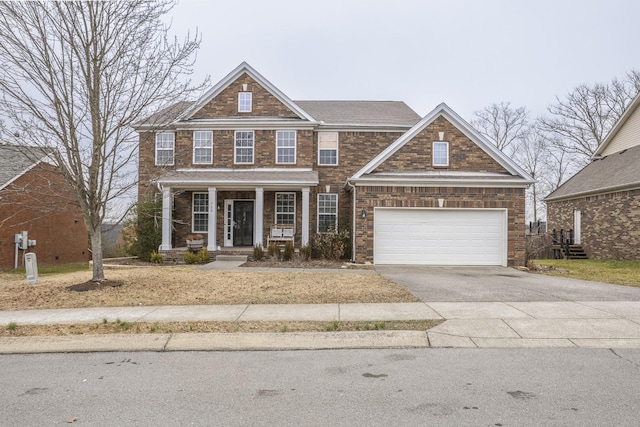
{"x": 353, "y": 234}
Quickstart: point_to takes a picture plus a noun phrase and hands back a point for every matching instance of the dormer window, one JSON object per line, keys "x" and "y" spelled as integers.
{"x": 244, "y": 102}
{"x": 440, "y": 151}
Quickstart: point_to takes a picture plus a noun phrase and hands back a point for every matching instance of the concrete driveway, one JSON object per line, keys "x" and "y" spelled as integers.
{"x": 499, "y": 284}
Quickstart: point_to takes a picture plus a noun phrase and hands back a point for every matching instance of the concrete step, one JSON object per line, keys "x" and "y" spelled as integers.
{"x": 242, "y": 258}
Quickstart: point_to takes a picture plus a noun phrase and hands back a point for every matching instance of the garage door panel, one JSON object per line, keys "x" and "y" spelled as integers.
{"x": 440, "y": 237}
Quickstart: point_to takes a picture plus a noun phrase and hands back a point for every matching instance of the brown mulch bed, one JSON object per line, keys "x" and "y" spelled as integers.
{"x": 93, "y": 286}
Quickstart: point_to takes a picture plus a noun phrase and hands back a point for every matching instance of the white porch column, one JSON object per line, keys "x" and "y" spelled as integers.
{"x": 167, "y": 195}
{"x": 259, "y": 218}
{"x": 305, "y": 216}
{"x": 213, "y": 203}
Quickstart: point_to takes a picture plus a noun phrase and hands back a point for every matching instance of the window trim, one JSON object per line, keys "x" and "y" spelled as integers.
{"x": 210, "y": 147}
{"x": 275, "y": 207}
{"x": 241, "y": 104}
{"x": 295, "y": 147}
{"x": 433, "y": 154}
{"x": 193, "y": 213}
{"x": 335, "y": 195}
{"x": 337, "y": 148}
{"x": 172, "y": 149}
{"x": 235, "y": 147}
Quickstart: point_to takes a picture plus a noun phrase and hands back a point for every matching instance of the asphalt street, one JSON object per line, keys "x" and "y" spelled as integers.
{"x": 434, "y": 387}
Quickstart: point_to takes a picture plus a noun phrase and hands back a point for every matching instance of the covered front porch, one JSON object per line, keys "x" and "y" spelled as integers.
{"x": 234, "y": 208}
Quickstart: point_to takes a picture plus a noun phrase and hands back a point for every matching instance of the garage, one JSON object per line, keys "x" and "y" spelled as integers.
{"x": 440, "y": 236}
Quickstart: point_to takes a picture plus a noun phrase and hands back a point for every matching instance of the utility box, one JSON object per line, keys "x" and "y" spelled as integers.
{"x": 31, "y": 265}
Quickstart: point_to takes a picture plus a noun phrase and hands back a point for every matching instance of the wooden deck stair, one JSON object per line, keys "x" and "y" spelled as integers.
{"x": 574, "y": 252}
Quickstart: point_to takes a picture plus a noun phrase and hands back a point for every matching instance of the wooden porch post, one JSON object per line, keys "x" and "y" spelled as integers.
{"x": 259, "y": 218}
{"x": 213, "y": 203}
{"x": 167, "y": 195}
{"x": 305, "y": 216}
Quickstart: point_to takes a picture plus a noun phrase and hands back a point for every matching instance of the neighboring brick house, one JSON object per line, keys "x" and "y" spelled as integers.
{"x": 34, "y": 197}
{"x": 601, "y": 203}
{"x": 245, "y": 157}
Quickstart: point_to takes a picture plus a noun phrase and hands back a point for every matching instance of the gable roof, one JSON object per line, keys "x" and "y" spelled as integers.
{"x": 381, "y": 113}
{"x": 443, "y": 110}
{"x": 15, "y": 161}
{"x": 629, "y": 112}
{"x": 241, "y": 69}
{"x": 615, "y": 172}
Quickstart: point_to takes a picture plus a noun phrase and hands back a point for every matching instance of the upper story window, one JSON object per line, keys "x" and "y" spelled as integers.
{"x": 244, "y": 102}
{"x": 286, "y": 147}
{"x": 202, "y": 147}
{"x": 440, "y": 150}
{"x": 285, "y": 208}
{"x": 327, "y": 212}
{"x": 327, "y": 148}
{"x": 244, "y": 147}
{"x": 165, "y": 148}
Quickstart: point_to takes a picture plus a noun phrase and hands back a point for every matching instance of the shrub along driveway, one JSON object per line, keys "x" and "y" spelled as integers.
{"x": 500, "y": 284}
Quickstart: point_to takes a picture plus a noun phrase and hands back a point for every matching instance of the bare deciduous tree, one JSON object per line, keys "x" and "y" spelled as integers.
{"x": 502, "y": 124}
{"x": 75, "y": 76}
{"x": 583, "y": 119}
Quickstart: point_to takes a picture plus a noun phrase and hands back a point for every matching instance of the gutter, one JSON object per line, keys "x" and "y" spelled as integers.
{"x": 605, "y": 190}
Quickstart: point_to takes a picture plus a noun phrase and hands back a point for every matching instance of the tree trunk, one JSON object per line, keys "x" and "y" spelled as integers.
{"x": 96, "y": 248}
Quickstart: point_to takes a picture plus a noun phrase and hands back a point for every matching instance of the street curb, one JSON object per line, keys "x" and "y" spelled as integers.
{"x": 215, "y": 342}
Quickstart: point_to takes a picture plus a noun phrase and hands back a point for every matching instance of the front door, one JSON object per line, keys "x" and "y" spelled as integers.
{"x": 577, "y": 225}
{"x": 242, "y": 222}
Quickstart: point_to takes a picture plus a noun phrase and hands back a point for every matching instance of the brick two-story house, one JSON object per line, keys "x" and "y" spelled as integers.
{"x": 409, "y": 190}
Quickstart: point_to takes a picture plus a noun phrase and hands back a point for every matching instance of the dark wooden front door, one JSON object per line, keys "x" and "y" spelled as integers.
{"x": 242, "y": 223}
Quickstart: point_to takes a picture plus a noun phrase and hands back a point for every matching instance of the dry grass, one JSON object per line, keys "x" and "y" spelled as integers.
{"x": 218, "y": 327}
{"x": 186, "y": 285}
{"x": 597, "y": 270}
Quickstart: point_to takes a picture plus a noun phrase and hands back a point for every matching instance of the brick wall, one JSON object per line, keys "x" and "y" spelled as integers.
{"x": 610, "y": 225}
{"x": 511, "y": 199}
{"x": 225, "y": 104}
{"x": 41, "y": 203}
{"x": 464, "y": 155}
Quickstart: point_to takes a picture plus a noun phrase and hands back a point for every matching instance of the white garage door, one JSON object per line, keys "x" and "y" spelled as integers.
{"x": 440, "y": 236}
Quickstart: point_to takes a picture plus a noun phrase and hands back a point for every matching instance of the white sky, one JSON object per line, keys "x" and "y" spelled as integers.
{"x": 468, "y": 54}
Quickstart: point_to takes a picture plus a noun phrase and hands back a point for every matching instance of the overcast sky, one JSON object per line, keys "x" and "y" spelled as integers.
{"x": 468, "y": 54}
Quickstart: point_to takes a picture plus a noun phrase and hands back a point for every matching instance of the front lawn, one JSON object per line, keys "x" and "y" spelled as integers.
{"x": 187, "y": 285}
{"x": 596, "y": 270}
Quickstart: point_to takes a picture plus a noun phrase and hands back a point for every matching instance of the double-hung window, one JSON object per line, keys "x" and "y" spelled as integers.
{"x": 165, "y": 149}
{"x": 286, "y": 147}
{"x": 244, "y": 102}
{"x": 244, "y": 147}
{"x": 285, "y": 208}
{"x": 440, "y": 151}
{"x": 328, "y": 148}
{"x": 327, "y": 212}
{"x": 200, "y": 221}
{"x": 202, "y": 147}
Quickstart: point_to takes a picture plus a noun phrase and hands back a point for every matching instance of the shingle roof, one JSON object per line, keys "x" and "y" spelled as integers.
{"x": 168, "y": 114}
{"x": 16, "y": 160}
{"x": 610, "y": 173}
{"x": 361, "y": 112}
{"x": 389, "y": 113}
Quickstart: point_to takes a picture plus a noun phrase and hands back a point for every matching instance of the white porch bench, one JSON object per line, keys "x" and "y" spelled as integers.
{"x": 281, "y": 233}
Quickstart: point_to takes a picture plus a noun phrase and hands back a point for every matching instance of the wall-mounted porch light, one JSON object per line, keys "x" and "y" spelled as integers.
{"x": 364, "y": 213}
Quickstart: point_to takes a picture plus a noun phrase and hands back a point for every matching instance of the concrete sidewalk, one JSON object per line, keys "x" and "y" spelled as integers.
{"x": 468, "y": 324}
